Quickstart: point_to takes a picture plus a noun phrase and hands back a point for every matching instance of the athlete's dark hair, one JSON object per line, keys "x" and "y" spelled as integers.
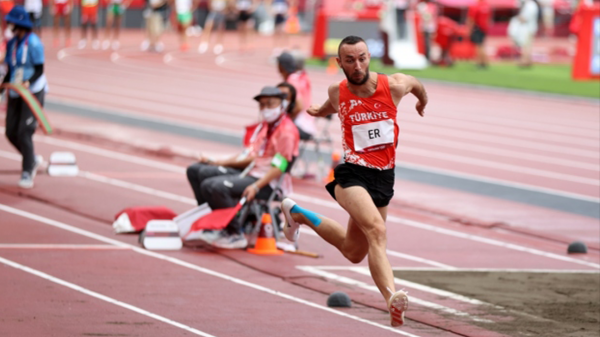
{"x": 26, "y": 29}
{"x": 351, "y": 40}
{"x": 291, "y": 99}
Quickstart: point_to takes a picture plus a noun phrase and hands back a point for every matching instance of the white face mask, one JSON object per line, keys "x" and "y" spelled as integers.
{"x": 271, "y": 115}
{"x": 285, "y": 104}
{"x": 8, "y": 32}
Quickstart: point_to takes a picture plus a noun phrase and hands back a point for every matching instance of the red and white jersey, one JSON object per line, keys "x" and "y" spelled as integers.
{"x": 369, "y": 128}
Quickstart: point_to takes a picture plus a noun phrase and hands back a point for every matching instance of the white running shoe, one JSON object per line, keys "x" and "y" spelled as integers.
{"x": 96, "y": 44}
{"x": 203, "y": 47}
{"x": 206, "y": 236}
{"x": 105, "y": 44}
{"x": 145, "y": 45}
{"x": 38, "y": 162}
{"x": 218, "y": 49}
{"x": 81, "y": 44}
{"x": 232, "y": 241}
{"x": 398, "y": 306}
{"x": 291, "y": 229}
{"x": 116, "y": 45}
{"x": 160, "y": 47}
{"x": 26, "y": 180}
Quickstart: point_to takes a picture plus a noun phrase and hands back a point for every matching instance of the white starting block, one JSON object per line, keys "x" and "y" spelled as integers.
{"x": 62, "y": 164}
{"x": 161, "y": 235}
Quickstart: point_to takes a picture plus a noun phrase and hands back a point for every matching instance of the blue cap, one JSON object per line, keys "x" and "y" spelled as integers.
{"x": 19, "y": 17}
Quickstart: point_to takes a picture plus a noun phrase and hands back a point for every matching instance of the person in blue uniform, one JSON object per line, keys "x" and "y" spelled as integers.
{"x": 25, "y": 65}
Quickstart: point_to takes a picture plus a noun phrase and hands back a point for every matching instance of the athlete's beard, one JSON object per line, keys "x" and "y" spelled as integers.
{"x": 361, "y": 82}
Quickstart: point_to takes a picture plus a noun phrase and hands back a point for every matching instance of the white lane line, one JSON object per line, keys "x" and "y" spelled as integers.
{"x": 214, "y": 114}
{"x": 498, "y": 181}
{"x": 137, "y": 188}
{"x": 450, "y": 232}
{"x": 477, "y": 137}
{"x": 321, "y": 202}
{"x": 500, "y": 166}
{"x": 35, "y": 246}
{"x": 365, "y": 271}
{"x": 421, "y": 287}
{"x": 319, "y": 78}
{"x": 474, "y": 177}
{"x": 575, "y": 140}
{"x": 497, "y": 151}
{"x": 419, "y": 259}
{"x": 102, "y": 297}
{"x": 146, "y": 68}
{"x": 508, "y": 124}
{"x": 190, "y": 201}
{"x": 363, "y": 285}
{"x": 119, "y": 183}
{"x": 179, "y": 262}
{"x": 488, "y": 270}
{"x": 308, "y": 231}
{"x": 492, "y": 242}
{"x": 110, "y": 154}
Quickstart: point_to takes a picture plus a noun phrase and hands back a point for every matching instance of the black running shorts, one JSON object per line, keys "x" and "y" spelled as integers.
{"x": 379, "y": 183}
{"x": 244, "y": 16}
{"x": 280, "y": 19}
{"x": 477, "y": 36}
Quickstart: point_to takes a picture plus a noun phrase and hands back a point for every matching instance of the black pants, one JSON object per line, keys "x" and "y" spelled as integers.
{"x": 401, "y": 23}
{"x": 221, "y": 187}
{"x": 20, "y": 127}
{"x": 303, "y": 134}
{"x": 427, "y": 38}
{"x": 477, "y": 36}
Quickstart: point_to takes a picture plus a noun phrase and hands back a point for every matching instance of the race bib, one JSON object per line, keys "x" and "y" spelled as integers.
{"x": 373, "y": 134}
{"x": 18, "y": 79}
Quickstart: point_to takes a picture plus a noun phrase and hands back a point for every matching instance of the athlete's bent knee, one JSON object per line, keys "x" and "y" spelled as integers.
{"x": 376, "y": 233}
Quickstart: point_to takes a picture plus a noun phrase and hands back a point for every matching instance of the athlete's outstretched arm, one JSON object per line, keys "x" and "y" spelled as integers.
{"x": 330, "y": 105}
{"x": 405, "y": 84}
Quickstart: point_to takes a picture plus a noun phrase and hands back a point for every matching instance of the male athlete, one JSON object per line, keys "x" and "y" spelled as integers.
{"x": 364, "y": 183}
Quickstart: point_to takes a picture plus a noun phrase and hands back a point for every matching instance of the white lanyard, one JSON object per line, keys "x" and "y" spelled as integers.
{"x": 272, "y": 130}
{"x": 24, "y": 53}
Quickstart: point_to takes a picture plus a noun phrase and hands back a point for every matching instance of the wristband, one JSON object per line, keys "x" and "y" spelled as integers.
{"x": 256, "y": 187}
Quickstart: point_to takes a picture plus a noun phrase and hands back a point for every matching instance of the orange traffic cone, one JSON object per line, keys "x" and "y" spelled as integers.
{"x": 332, "y": 66}
{"x": 265, "y": 243}
{"x": 335, "y": 161}
{"x": 292, "y": 24}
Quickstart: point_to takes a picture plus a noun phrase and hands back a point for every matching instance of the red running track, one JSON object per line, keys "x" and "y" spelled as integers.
{"x": 63, "y": 270}
{"x": 540, "y": 142}
{"x": 110, "y": 182}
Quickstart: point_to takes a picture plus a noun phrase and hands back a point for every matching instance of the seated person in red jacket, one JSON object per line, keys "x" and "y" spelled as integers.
{"x": 219, "y": 183}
